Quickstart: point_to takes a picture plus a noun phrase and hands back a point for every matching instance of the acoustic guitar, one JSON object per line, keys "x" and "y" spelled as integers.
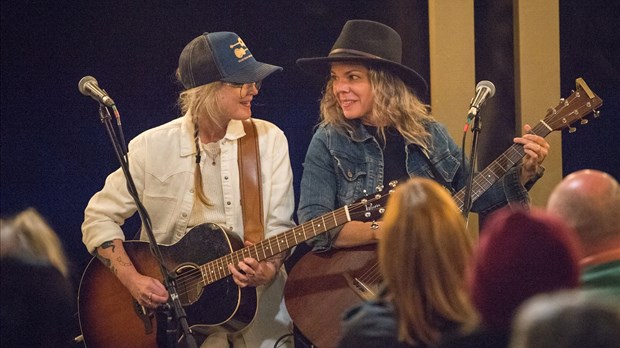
{"x": 322, "y": 286}
{"x": 110, "y": 317}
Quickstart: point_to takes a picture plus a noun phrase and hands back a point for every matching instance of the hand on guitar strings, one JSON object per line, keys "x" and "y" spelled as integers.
{"x": 536, "y": 150}
{"x": 250, "y": 272}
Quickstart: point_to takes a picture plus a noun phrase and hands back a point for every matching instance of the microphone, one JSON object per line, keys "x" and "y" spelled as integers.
{"x": 484, "y": 90}
{"x": 89, "y": 87}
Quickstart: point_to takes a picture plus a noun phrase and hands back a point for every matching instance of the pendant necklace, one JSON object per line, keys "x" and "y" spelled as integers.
{"x": 213, "y": 154}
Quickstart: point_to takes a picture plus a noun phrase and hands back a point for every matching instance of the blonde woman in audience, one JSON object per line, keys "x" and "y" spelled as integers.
{"x": 423, "y": 256}
{"x": 30, "y": 235}
{"x": 38, "y": 300}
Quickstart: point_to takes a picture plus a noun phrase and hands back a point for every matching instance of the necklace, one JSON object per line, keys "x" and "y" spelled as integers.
{"x": 212, "y": 153}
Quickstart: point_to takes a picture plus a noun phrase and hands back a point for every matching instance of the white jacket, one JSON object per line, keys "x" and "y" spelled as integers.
{"x": 162, "y": 163}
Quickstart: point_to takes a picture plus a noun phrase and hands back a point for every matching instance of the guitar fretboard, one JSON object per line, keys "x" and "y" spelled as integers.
{"x": 498, "y": 168}
{"x": 218, "y": 269}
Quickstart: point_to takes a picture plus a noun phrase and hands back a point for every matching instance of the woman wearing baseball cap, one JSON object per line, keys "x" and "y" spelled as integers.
{"x": 187, "y": 174}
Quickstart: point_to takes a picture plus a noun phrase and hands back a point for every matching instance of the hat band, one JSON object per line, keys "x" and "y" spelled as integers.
{"x": 355, "y": 52}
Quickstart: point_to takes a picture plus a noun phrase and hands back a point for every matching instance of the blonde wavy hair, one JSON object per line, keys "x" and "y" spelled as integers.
{"x": 423, "y": 258}
{"x": 200, "y": 102}
{"x": 394, "y": 102}
{"x": 29, "y": 235}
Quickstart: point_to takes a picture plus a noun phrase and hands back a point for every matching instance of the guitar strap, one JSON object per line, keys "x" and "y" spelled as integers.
{"x": 250, "y": 183}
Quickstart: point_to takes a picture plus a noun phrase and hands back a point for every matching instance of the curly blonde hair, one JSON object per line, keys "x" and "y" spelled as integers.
{"x": 394, "y": 102}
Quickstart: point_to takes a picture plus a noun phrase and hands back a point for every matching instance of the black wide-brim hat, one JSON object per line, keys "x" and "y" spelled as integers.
{"x": 371, "y": 42}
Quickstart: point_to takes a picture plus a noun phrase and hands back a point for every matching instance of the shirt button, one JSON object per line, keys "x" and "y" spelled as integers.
{"x": 191, "y": 190}
{"x": 184, "y": 214}
{"x": 228, "y": 203}
{"x": 350, "y": 174}
{"x": 230, "y": 228}
{"x": 226, "y": 177}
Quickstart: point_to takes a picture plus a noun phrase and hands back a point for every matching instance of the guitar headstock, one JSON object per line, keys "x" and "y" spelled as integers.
{"x": 575, "y": 107}
{"x": 371, "y": 207}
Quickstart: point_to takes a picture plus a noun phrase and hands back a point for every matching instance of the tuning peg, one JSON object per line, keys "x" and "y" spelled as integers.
{"x": 572, "y": 129}
{"x": 393, "y": 183}
{"x": 379, "y": 188}
{"x": 597, "y": 114}
{"x": 551, "y": 111}
{"x": 584, "y": 121}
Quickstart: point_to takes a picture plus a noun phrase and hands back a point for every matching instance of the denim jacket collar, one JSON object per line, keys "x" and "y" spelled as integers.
{"x": 359, "y": 133}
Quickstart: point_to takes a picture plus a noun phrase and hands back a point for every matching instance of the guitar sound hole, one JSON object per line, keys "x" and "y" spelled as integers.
{"x": 189, "y": 284}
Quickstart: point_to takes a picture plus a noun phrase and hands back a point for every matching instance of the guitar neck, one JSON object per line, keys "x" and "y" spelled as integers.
{"x": 218, "y": 269}
{"x": 498, "y": 168}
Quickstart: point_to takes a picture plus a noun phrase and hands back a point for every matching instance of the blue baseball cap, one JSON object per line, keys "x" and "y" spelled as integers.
{"x": 220, "y": 56}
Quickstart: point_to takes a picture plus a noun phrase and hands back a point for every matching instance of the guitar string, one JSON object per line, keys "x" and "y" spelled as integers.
{"x": 191, "y": 276}
{"x": 195, "y": 276}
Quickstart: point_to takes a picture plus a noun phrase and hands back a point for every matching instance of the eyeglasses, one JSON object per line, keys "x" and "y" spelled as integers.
{"x": 245, "y": 88}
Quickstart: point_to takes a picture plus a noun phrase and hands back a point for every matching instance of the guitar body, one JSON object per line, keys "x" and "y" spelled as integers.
{"x": 110, "y": 317}
{"x": 318, "y": 290}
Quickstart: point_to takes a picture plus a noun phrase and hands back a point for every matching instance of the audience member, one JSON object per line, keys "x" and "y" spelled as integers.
{"x": 30, "y": 236}
{"x": 423, "y": 258}
{"x": 589, "y": 202}
{"x": 566, "y": 319}
{"x": 38, "y": 300}
{"x": 520, "y": 255}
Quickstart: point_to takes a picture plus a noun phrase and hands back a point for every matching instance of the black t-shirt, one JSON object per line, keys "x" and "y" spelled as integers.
{"x": 394, "y": 156}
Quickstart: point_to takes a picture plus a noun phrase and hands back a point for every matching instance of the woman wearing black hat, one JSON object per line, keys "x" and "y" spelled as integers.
{"x": 187, "y": 173}
{"x": 374, "y": 129}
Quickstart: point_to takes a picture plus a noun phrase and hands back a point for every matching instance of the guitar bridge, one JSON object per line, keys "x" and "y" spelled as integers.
{"x": 364, "y": 291}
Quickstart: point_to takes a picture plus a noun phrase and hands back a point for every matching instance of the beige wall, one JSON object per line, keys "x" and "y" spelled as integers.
{"x": 452, "y": 66}
{"x": 537, "y": 73}
{"x": 537, "y": 80}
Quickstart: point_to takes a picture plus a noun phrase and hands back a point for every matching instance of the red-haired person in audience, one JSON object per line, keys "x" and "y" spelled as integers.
{"x": 519, "y": 255}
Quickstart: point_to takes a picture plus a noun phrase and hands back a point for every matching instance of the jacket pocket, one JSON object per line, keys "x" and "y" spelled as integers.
{"x": 351, "y": 176}
{"x": 447, "y": 166}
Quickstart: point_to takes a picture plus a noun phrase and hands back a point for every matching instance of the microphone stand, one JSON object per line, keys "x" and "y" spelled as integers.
{"x": 174, "y": 302}
{"x": 467, "y": 201}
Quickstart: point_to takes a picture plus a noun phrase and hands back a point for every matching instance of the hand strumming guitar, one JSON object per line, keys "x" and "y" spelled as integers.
{"x": 148, "y": 292}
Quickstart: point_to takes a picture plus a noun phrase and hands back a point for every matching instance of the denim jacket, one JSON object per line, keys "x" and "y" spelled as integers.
{"x": 341, "y": 167}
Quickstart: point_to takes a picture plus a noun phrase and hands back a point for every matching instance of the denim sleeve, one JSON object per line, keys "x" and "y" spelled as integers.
{"x": 507, "y": 190}
{"x": 318, "y": 188}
